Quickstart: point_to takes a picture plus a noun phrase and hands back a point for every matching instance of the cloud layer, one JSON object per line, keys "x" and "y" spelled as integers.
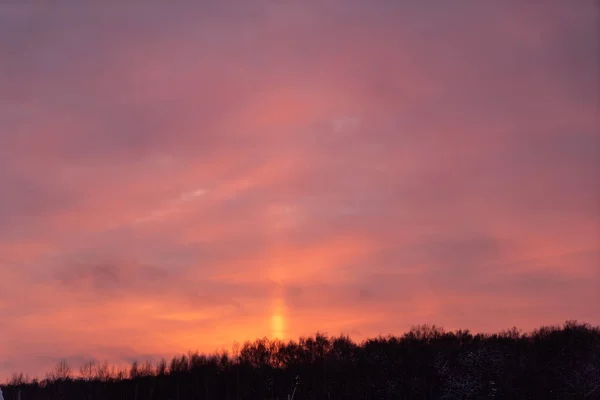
{"x": 181, "y": 177}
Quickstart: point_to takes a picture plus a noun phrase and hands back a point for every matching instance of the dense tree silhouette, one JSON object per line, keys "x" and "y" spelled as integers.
{"x": 425, "y": 363}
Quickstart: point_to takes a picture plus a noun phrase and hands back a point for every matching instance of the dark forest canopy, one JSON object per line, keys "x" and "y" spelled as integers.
{"x": 425, "y": 363}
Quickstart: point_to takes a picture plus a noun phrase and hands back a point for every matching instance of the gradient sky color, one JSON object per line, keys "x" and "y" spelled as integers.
{"x": 182, "y": 175}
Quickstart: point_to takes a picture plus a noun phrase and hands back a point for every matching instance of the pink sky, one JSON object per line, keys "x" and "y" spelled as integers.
{"x": 182, "y": 176}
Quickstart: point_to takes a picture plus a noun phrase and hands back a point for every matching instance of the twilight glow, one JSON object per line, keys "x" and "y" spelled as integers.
{"x": 180, "y": 176}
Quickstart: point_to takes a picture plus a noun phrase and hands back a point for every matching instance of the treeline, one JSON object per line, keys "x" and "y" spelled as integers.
{"x": 425, "y": 363}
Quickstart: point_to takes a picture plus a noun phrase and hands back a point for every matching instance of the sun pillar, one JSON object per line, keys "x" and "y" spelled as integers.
{"x": 278, "y": 319}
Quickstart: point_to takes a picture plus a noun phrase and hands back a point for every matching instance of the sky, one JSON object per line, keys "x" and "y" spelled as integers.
{"x": 181, "y": 176}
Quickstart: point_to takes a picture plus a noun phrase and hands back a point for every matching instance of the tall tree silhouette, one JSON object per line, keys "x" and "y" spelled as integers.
{"x": 425, "y": 363}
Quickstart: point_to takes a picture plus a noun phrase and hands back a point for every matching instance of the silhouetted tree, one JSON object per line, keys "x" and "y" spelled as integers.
{"x": 61, "y": 372}
{"x": 425, "y": 363}
{"x": 87, "y": 370}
